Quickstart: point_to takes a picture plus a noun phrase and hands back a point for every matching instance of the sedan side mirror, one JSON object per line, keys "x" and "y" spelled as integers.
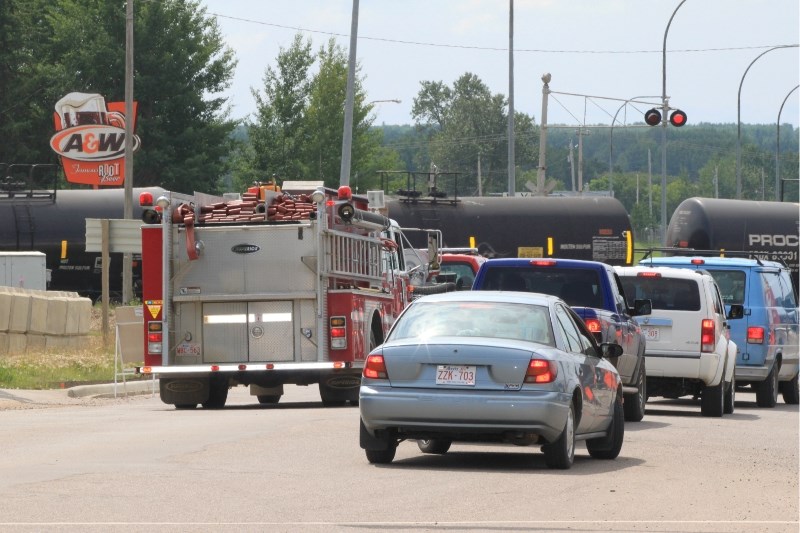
{"x": 736, "y": 311}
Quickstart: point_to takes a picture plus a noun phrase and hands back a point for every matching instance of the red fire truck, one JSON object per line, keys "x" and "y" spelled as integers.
{"x": 272, "y": 288}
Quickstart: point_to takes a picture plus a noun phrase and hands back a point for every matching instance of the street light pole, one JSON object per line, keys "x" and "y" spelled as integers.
{"x": 347, "y": 137}
{"x": 664, "y": 110}
{"x": 778, "y": 194}
{"x": 541, "y": 175}
{"x": 512, "y": 179}
{"x": 611, "y": 142}
{"x": 739, "y": 120}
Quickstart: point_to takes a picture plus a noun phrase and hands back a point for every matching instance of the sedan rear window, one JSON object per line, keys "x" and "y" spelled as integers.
{"x": 426, "y": 320}
{"x": 666, "y": 293}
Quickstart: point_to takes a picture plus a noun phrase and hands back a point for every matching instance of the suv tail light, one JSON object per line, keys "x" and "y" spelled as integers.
{"x": 708, "y": 335}
{"x": 375, "y": 368}
{"x": 755, "y": 335}
{"x": 541, "y": 371}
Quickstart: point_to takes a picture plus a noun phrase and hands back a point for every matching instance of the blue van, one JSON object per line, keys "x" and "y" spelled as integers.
{"x": 767, "y": 337}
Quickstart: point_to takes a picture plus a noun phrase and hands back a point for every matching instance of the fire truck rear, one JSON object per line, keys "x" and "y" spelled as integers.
{"x": 272, "y": 288}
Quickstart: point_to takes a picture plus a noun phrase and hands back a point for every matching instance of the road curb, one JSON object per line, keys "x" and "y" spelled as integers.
{"x": 112, "y": 390}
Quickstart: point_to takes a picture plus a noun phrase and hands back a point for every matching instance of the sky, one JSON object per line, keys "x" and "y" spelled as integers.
{"x": 601, "y": 54}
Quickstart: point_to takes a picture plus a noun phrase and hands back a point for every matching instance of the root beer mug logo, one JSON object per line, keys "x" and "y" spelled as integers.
{"x": 90, "y": 138}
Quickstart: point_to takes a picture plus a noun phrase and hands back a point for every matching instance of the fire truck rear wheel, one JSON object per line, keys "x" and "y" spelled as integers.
{"x": 269, "y": 398}
{"x": 217, "y": 393}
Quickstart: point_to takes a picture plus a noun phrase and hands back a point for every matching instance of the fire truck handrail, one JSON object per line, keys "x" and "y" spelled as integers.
{"x": 353, "y": 256}
{"x": 246, "y": 367}
{"x": 295, "y": 295}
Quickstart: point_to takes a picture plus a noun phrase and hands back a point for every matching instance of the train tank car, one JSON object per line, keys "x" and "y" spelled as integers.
{"x": 767, "y": 230}
{"x": 54, "y": 222}
{"x": 587, "y": 227}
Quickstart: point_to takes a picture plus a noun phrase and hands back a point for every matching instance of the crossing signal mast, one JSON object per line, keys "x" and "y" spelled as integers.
{"x": 653, "y": 117}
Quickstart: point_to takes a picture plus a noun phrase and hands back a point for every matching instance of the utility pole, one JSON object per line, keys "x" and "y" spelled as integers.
{"x": 127, "y": 259}
{"x": 580, "y": 160}
{"x": 347, "y": 137}
{"x": 512, "y": 180}
{"x": 650, "y": 181}
{"x": 716, "y": 181}
{"x": 572, "y": 164}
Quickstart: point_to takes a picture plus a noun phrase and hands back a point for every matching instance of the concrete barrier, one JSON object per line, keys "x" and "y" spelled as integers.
{"x": 34, "y": 320}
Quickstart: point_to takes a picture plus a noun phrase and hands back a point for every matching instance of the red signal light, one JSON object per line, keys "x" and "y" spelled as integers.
{"x": 652, "y": 117}
{"x": 146, "y": 199}
{"x": 677, "y": 118}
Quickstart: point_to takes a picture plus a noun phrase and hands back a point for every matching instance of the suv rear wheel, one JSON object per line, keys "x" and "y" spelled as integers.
{"x": 712, "y": 400}
{"x": 730, "y": 396}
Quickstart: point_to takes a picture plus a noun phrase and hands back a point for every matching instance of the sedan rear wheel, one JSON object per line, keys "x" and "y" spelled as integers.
{"x": 561, "y": 453}
{"x": 437, "y": 446}
{"x": 381, "y": 457}
{"x": 608, "y": 447}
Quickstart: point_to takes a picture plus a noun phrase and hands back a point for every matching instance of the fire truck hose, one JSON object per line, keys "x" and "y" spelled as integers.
{"x": 283, "y": 207}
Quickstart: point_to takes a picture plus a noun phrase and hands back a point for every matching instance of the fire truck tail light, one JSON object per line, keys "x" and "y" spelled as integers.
{"x": 338, "y": 332}
{"x": 755, "y": 335}
{"x": 375, "y": 368}
{"x": 541, "y": 371}
{"x": 708, "y": 335}
{"x": 155, "y": 337}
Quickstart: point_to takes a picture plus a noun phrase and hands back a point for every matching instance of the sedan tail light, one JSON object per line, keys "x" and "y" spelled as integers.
{"x": 755, "y": 335}
{"x": 375, "y": 368}
{"x": 541, "y": 371}
{"x": 708, "y": 335}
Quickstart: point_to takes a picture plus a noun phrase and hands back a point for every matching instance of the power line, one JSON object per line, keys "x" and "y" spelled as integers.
{"x": 488, "y": 48}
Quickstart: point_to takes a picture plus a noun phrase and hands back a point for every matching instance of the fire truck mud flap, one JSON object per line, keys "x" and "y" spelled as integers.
{"x": 339, "y": 388}
{"x": 184, "y": 391}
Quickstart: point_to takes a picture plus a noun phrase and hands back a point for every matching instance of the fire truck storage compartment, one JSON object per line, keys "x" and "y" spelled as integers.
{"x": 249, "y": 331}
{"x": 239, "y": 260}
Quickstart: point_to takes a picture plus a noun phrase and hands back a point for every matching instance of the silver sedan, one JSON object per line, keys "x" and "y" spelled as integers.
{"x": 485, "y": 366}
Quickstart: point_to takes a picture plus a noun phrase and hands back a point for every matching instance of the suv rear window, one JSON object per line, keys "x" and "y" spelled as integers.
{"x": 577, "y": 287}
{"x": 665, "y": 293}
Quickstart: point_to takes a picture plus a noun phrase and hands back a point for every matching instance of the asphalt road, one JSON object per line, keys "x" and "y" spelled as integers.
{"x": 135, "y": 464}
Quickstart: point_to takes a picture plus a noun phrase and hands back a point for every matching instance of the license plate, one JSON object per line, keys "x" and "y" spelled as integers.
{"x": 651, "y": 334}
{"x": 455, "y": 375}
{"x": 186, "y": 348}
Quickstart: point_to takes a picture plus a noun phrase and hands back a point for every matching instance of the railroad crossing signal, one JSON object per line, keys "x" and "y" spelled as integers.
{"x": 653, "y": 118}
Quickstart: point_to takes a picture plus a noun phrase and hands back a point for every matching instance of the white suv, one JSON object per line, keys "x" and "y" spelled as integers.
{"x": 688, "y": 351}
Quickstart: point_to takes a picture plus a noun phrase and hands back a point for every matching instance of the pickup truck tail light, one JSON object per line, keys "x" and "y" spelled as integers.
{"x": 708, "y": 335}
{"x": 755, "y": 335}
{"x": 375, "y": 368}
{"x": 541, "y": 371}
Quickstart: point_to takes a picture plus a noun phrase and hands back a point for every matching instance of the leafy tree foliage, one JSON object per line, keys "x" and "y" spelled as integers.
{"x": 179, "y": 60}
{"x": 467, "y": 127}
{"x": 298, "y": 130}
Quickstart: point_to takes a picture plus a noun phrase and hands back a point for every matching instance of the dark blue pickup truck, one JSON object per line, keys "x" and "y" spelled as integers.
{"x": 595, "y": 292}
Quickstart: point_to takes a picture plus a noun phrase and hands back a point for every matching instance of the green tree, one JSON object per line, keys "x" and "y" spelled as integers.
{"x": 325, "y": 123}
{"x": 180, "y": 62}
{"x": 278, "y": 135}
{"x": 468, "y": 130}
